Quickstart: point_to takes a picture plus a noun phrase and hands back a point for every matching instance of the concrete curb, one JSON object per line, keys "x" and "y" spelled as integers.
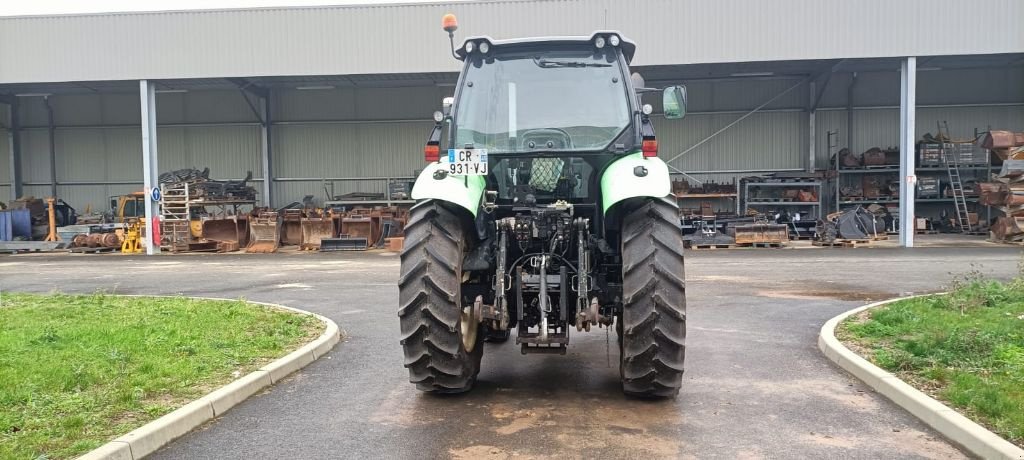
{"x": 152, "y": 436}
{"x": 957, "y": 428}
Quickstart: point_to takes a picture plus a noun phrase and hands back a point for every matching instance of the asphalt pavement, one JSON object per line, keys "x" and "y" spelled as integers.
{"x": 755, "y": 386}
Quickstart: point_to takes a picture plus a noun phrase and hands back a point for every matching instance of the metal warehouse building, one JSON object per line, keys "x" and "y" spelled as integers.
{"x": 342, "y": 96}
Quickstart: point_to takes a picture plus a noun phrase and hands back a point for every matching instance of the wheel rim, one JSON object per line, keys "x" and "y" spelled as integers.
{"x": 468, "y": 327}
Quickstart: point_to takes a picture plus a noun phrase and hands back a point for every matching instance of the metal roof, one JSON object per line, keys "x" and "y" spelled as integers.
{"x": 407, "y": 38}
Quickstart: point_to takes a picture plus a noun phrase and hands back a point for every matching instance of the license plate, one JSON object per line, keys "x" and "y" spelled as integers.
{"x": 467, "y": 162}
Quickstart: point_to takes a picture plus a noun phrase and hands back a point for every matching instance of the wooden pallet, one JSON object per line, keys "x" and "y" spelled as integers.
{"x": 976, "y": 233}
{"x": 711, "y": 246}
{"x": 91, "y": 250}
{"x": 880, "y": 237}
{"x": 834, "y": 244}
{"x": 761, "y": 245}
{"x": 926, "y": 232}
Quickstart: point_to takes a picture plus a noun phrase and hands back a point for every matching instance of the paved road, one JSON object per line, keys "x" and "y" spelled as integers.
{"x": 755, "y": 386}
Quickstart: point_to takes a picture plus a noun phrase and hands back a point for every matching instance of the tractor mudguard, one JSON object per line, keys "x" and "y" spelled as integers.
{"x": 634, "y": 176}
{"x": 464, "y": 191}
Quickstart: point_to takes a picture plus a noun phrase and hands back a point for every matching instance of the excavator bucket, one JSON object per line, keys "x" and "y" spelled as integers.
{"x": 264, "y": 232}
{"x": 314, "y": 231}
{"x": 232, "y": 229}
{"x": 291, "y": 227}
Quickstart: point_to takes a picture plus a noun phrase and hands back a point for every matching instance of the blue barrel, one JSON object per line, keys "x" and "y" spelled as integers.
{"x": 6, "y": 226}
{"x": 14, "y": 223}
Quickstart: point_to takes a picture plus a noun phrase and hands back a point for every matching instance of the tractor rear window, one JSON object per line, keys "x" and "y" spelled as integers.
{"x": 542, "y": 101}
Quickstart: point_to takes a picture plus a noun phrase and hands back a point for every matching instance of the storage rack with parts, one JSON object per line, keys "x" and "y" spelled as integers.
{"x": 933, "y": 180}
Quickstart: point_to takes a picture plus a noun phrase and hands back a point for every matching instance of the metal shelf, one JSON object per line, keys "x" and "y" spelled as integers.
{"x": 887, "y": 201}
{"x": 869, "y": 171}
{"x": 893, "y": 200}
{"x": 706, "y": 195}
{"x": 355, "y": 202}
{"x": 783, "y": 184}
{"x": 782, "y": 203}
{"x": 746, "y": 200}
{"x": 919, "y": 169}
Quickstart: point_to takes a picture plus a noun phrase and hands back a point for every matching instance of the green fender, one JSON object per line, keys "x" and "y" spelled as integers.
{"x": 620, "y": 182}
{"x": 464, "y": 191}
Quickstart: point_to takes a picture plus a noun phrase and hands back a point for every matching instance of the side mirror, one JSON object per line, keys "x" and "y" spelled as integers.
{"x": 673, "y": 102}
{"x": 446, "y": 106}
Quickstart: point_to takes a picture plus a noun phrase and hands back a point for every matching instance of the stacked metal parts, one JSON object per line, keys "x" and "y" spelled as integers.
{"x": 1006, "y": 191}
{"x": 854, "y": 224}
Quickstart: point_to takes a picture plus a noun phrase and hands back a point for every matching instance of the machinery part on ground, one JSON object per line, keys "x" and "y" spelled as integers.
{"x": 291, "y": 226}
{"x": 80, "y": 240}
{"x": 762, "y": 233}
{"x": 344, "y": 243}
{"x": 264, "y": 233}
{"x": 441, "y": 344}
{"x": 855, "y": 223}
{"x": 826, "y": 231}
{"x": 52, "y": 234}
{"x": 653, "y": 345}
{"x": 314, "y": 231}
{"x": 233, "y": 229}
{"x": 132, "y": 243}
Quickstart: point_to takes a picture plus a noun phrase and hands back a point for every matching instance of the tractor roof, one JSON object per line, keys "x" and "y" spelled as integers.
{"x": 627, "y": 45}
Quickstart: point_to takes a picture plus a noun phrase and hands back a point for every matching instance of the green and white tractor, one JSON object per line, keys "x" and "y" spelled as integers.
{"x": 546, "y": 210}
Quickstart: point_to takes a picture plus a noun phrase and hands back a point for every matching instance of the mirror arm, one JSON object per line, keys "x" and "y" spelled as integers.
{"x": 435, "y": 135}
{"x": 646, "y": 127}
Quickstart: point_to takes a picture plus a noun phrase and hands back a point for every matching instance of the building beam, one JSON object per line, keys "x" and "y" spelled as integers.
{"x": 147, "y": 97}
{"x": 14, "y": 139}
{"x": 266, "y": 153}
{"x": 849, "y": 111}
{"x": 51, "y": 130}
{"x": 811, "y": 112}
{"x": 908, "y": 89}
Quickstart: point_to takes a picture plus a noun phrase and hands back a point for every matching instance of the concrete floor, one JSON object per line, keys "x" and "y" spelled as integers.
{"x": 756, "y": 386}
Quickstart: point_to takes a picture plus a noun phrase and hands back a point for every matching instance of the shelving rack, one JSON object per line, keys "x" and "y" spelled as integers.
{"x": 760, "y": 202}
{"x": 978, "y": 171}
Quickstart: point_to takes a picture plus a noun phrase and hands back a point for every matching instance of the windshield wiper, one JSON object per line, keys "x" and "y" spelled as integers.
{"x": 547, "y": 64}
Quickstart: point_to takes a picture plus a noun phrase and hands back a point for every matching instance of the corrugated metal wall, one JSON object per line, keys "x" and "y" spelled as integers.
{"x": 363, "y": 132}
{"x": 372, "y": 39}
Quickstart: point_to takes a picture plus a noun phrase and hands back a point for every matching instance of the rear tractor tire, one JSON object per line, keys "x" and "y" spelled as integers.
{"x": 442, "y": 346}
{"x": 653, "y": 322}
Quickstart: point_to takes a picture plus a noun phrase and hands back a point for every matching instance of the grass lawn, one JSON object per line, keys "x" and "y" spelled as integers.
{"x": 966, "y": 348}
{"x": 79, "y": 370}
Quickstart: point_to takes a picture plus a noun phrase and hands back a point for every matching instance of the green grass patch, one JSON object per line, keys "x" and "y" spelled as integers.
{"x": 965, "y": 348}
{"x": 79, "y": 370}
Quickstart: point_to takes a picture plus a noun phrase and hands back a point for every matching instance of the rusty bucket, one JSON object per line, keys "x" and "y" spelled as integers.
{"x": 231, "y": 229}
{"x": 264, "y": 233}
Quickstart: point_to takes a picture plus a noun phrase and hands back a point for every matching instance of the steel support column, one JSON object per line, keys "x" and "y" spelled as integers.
{"x": 147, "y": 96}
{"x": 908, "y": 89}
{"x": 14, "y": 138}
{"x": 267, "y": 151}
{"x": 849, "y": 112}
{"x": 51, "y": 130}
{"x": 811, "y": 112}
